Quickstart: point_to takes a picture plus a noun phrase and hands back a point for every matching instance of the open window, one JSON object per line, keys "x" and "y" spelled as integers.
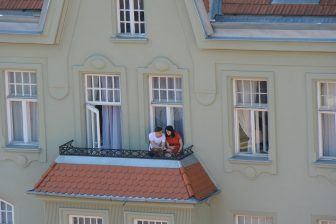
{"x": 251, "y": 117}
{"x": 103, "y": 111}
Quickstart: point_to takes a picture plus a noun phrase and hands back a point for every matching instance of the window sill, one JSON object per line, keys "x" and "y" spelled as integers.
{"x": 129, "y": 39}
{"x": 325, "y": 163}
{"x": 22, "y": 148}
{"x": 250, "y": 159}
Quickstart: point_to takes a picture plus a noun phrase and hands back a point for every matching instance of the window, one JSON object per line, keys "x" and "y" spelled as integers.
{"x": 131, "y": 17}
{"x": 166, "y": 104}
{"x": 146, "y": 221}
{"x": 6, "y": 213}
{"x": 251, "y": 116}
{"x": 327, "y": 222}
{"x": 22, "y": 108}
{"x": 253, "y": 219}
{"x": 103, "y": 111}
{"x": 327, "y": 119}
{"x": 85, "y": 220}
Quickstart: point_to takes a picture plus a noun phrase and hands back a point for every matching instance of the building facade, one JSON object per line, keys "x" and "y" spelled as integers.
{"x": 250, "y": 85}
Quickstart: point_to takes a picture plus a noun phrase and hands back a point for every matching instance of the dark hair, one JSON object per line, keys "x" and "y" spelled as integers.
{"x": 157, "y": 129}
{"x": 171, "y": 129}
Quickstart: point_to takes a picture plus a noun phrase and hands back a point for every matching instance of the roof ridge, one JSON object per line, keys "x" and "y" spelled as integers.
{"x": 45, "y": 175}
{"x": 187, "y": 182}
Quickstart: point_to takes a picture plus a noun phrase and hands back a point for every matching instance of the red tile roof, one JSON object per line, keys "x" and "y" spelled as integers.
{"x": 21, "y": 4}
{"x": 265, "y": 8}
{"x": 190, "y": 182}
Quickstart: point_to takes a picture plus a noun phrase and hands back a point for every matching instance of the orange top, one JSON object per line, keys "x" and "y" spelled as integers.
{"x": 175, "y": 142}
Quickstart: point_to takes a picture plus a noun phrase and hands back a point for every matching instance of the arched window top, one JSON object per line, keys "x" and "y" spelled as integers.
{"x": 6, "y": 212}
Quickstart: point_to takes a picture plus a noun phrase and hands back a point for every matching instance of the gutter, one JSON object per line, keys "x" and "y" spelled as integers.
{"x": 116, "y": 198}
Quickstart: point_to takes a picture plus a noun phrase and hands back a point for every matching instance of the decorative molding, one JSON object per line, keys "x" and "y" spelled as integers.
{"x": 22, "y": 160}
{"x": 161, "y": 66}
{"x": 316, "y": 168}
{"x": 249, "y": 168}
{"x": 97, "y": 64}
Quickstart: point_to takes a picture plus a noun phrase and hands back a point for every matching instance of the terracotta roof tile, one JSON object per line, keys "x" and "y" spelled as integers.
{"x": 266, "y": 8}
{"x": 21, "y": 4}
{"x": 126, "y": 181}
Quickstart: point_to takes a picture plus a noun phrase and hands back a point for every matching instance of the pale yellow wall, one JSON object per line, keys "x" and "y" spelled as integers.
{"x": 293, "y": 192}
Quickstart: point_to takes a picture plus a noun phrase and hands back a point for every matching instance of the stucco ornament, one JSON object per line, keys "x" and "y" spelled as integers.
{"x": 19, "y": 160}
{"x": 162, "y": 64}
{"x": 98, "y": 62}
{"x": 250, "y": 172}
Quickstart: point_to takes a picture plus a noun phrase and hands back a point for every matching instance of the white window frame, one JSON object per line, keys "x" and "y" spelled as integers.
{"x": 93, "y": 112}
{"x": 7, "y": 211}
{"x": 326, "y": 221}
{"x": 132, "y": 217}
{"x": 24, "y": 101}
{"x": 132, "y": 20}
{"x": 155, "y": 221}
{"x": 169, "y": 105}
{"x": 321, "y": 111}
{"x": 85, "y": 217}
{"x": 251, "y": 216}
{"x": 252, "y": 111}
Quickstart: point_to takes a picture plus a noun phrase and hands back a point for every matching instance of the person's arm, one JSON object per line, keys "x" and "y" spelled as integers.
{"x": 181, "y": 145}
{"x": 154, "y": 145}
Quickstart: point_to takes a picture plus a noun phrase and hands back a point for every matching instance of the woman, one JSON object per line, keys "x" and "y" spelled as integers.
{"x": 173, "y": 140}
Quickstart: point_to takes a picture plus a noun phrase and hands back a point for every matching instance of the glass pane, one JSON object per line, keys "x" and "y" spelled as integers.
{"x": 178, "y": 120}
{"x": 269, "y": 220}
{"x": 87, "y": 220}
{"x": 110, "y": 95}
{"x": 139, "y": 222}
{"x": 100, "y": 221}
{"x": 95, "y": 81}
{"x": 103, "y": 81}
{"x": 178, "y": 83}
{"x": 34, "y": 90}
{"x": 171, "y": 95}
{"x": 136, "y": 16}
{"x": 263, "y": 86}
{"x": 163, "y": 84}
{"x": 3, "y": 205}
{"x": 142, "y": 28}
{"x": 80, "y": 220}
{"x": 245, "y": 131}
{"x": 33, "y": 121}
{"x": 122, "y": 16}
{"x": 17, "y": 122}
{"x": 127, "y": 16}
{"x": 255, "y": 220}
{"x": 261, "y": 131}
{"x": 33, "y": 78}
{"x": 328, "y": 134}
{"x": 160, "y": 117}
{"x": 142, "y": 16}
{"x": 11, "y": 76}
{"x": 89, "y": 81}
{"x": 26, "y": 90}
{"x": 128, "y": 27}
{"x": 121, "y": 4}
{"x": 241, "y": 220}
{"x": 156, "y": 95}
{"x": 75, "y": 220}
{"x": 141, "y": 4}
{"x": 179, "y": 96}
{"x": 155, "y": 82}
{"x": 163, "y": 96}
{"x": 18, "y": 77}
{"x": 9, "y": 217}
{"x": 19, "y": 90}
{"x": 116, "y": 96}
{"x": 3, "y": 217}
{"x": 170, "y": 83}
{"x": 116, "y": 82}
{"x": 151, "y": 222}
{"x": 25, "y": 76}
{"x": 109, "y": 82}
{"x": 145, "y": 222}
{"x": 96, "y": 95}
{"x": 103, "y": 92}
{"x": 9, "y": 208}
{"x": 11, "y": 89}
{"x": 93, "y": 221}
{"x": 90, "y": 97}
{"x": 127, "y": 4}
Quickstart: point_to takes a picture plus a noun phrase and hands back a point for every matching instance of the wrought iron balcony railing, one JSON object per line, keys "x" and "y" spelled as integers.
{"x": 68, "y": 149}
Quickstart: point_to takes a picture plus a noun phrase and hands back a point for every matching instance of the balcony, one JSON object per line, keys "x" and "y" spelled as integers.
{"x": 68, "y": 149}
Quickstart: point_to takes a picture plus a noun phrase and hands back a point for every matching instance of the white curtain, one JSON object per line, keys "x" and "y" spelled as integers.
{"x": 178, "y": 120}
{"x": 111, "y": 127}
{"x": 33, "y": 121}
{"x": 160, "y": 118}
{"x": 17, "y": 121}
{"x": 328, "y": 134}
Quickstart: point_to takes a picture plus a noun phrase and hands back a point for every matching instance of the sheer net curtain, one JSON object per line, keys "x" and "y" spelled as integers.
{"x": 328, "y": 120}
{"x": 111, "y": 127}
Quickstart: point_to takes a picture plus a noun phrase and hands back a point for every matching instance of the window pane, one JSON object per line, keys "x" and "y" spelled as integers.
{"x": 261, "y": 131}
{"x": 116, "y": 82}
{"x": 17, "y": 122}
{"x": 33, "y": 121}
{"x": 178, "y": 120}
{"x": 155, "y": 82}
{"x": 160, "y": 116}
{"x": 245, "y": 130}
{"x": 163, "y": 84}
{"x": 156, "y": 96}
{"x": 163, "y": 95}
{"x": 2, "y": 205}
{"x": 328, "y": 134}
{"x": 87, "y": 221}
{"x": 170, "y": 83}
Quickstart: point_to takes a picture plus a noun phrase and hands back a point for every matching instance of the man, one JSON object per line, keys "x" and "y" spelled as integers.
{"x": 157, "y": 140}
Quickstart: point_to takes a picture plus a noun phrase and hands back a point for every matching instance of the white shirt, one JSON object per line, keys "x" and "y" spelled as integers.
{"x": 159, "y": 141}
